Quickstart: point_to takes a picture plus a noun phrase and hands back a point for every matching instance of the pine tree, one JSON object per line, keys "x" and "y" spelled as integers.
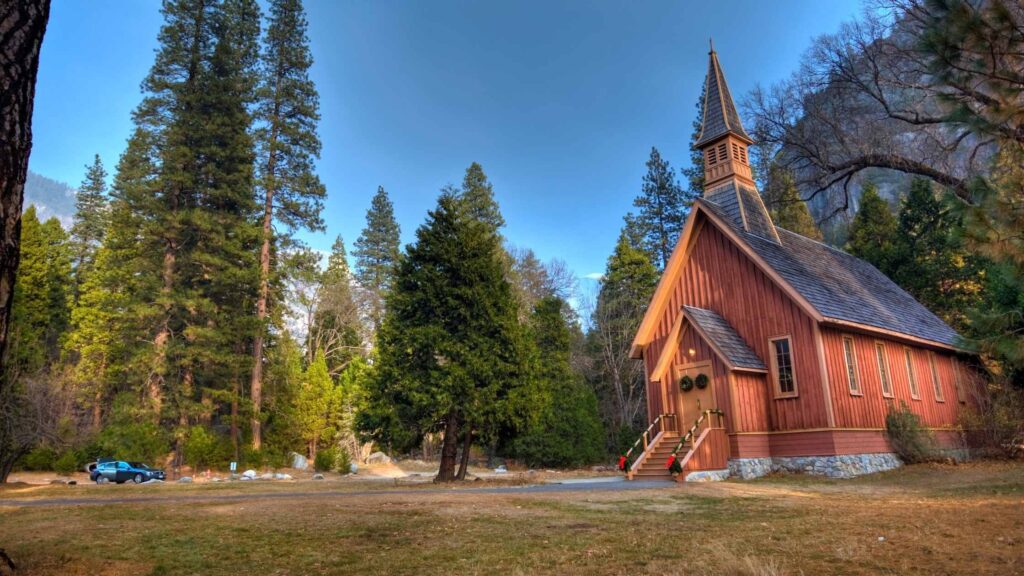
{"x": 377, "y": 252}
{"x": 663, "y": 206}
{"x": 694, "y": 175}
{"x": 90, "y": 220}
{"x": 316, "y": 404}
{"x": 626, "y": 290}
{"x": 335, "y": 331}
{"x": 788, "y": 210}
{"x": 39, "y": 316}
{"x": 930, "y": 260}
{"x": 292, "y": 195}
{"x": 873, "y": 232}
{"x": 478, "y": 194}
{"x": 449, "y": 349}
{"x": 564, "y": 428}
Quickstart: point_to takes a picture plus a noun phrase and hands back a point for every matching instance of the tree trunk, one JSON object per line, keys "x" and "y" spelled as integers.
{"x": 467, "y": 443}
{"x": 158, "y": 369}
{"x": 449, "y": 448}
{"x": 234, "y": 419}
{"x": 256, "y": 382}
{"x": 22, "y": 27}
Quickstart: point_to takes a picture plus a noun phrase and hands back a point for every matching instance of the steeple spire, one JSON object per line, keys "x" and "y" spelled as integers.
{"x": 720, "y": 116}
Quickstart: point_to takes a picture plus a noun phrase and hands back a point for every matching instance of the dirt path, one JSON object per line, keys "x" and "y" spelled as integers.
{"x": 306, "y": 492}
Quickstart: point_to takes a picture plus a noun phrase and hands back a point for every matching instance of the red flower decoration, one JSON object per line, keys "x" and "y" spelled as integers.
{"x": 622, "y": 463}
{"x": 671, "y": 460}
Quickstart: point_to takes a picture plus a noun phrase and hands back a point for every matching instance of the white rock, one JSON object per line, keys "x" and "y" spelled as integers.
{"x": 318, "y": 476}
{"x": 299, "y": 462}
{"x": 500, "y": 470}
{"x": 266, "y": 476}
{"x": 280, "y": 476}
{"x": 185, "y": 480}
{"x": 378, "y": 458}
{"x": 352, "y": 468}
{"x": 249, "y": 474}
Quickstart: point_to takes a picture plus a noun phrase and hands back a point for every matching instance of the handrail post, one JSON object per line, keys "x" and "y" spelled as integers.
{"x": 645, "y": 440}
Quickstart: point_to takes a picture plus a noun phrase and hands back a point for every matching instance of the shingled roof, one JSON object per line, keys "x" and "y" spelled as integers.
{"x": 840, "y": 286}
{"x": 724, "y": 338}
{"x": 720, "y": 116}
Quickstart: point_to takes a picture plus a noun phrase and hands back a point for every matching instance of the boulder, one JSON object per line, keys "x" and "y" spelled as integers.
{"x": 378, "y": 458}
{"x": 280, "y": 476}
{"x": 501, "y": 469}
{"x": 185, "y": 480}
{"x": 352, "y": 468}
{"x": 299, "y": 462}
{"x": 249, "y": 474}
{"x": 318, "y": 476}
{"x": 266, "y": 476}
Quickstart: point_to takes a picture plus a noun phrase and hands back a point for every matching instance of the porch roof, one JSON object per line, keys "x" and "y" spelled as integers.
{"x": 724, "y": 338}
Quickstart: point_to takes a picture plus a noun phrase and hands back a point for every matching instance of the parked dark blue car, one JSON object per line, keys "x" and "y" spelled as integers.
{"x": 120, "y": 472}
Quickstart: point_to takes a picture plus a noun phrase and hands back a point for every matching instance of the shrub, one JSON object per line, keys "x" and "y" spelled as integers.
{"x": 40, "y": 458}
{"x": 996, "y": 429}
{"x": 141, "y": 441}
{"x": 344, "y": 461}
{"x": 908, "y": 438}
{"x": 67, "y": 463}
{"x": 254, "y": 458}
{"x": 203, "y": 448}
{"x": 326, "y": 460}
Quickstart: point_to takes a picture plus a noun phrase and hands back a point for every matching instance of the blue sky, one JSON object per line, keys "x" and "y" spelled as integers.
{"x": 559, "y": 101}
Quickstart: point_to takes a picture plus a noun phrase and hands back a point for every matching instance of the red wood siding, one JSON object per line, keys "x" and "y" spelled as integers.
{"x": 868, "y": 410}
{"x": 752, "y": 395}
{"x": 712, "y": 454}
{"x": 718, "y": 276}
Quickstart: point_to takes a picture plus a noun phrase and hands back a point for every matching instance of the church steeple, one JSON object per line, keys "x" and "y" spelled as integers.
{"x": 728, "y": 181}
{"x": 722, "y": 138}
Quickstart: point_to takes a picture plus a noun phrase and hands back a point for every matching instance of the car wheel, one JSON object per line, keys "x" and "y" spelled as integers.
{"x": 120, "y": 481}
{"x": 138, "y": 479}
{"x": 101, "y": 479}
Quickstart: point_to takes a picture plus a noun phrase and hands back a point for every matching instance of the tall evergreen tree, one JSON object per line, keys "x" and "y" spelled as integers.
{"x": 335, "y": 330}
{"x": 663, "y": 206}
{"x": 449, "y": 350}
{"x": 90, "y": 220}
{"x": 478, "y": 194}
{"x": 565, "y": 427}
{"x": 377, "y": 252}
{"x": 292, "y": 195}
{"x": 626, "y": 290}
{"x": 930, "y": 260}
{"x": 873, "y": 231}
{"x": 788, "y": 210}
{"x": 42, "y": 294}
{"x": 694, "y": 175}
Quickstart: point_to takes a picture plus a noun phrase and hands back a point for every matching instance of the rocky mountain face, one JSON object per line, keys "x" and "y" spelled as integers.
{"x": 51, "y": 198}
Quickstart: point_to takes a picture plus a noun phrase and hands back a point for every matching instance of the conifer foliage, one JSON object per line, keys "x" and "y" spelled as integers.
{"x": 377, "y": 251}
{"x": 450, "y": 348}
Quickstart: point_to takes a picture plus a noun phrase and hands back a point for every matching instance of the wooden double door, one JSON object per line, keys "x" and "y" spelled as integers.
{"x": 690, "y": 403}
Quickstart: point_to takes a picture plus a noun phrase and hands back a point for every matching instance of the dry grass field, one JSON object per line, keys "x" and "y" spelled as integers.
{"x": 930, "y": 519}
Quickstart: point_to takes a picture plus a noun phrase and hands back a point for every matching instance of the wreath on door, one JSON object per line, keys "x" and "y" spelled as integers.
{"x": 686, "y": 383}
{"x": 701, "y": 381}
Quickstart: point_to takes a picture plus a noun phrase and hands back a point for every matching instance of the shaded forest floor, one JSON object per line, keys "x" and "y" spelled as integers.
{"x": 930, "y": 519}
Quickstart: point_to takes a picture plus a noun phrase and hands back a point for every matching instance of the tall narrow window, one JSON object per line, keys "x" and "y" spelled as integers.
{"x": 850, "y": 355}
{"x": 915, "y": 393}
{"x": 960, "y": 395}
{"x": 883, "y": 370}
{"x": 935, "y": 378}
{"x": 782, "y": 366}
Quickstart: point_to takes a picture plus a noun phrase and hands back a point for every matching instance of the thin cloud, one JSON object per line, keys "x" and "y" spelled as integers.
{"x": 594, "y": 276}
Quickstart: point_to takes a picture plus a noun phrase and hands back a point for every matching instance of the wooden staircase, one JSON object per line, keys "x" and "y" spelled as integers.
{"x": 654, "y": 465}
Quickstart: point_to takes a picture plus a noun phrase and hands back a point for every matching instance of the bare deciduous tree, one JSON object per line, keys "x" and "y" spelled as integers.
{"x": 885, "y": 92}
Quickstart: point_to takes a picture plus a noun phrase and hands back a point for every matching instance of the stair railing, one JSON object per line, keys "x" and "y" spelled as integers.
{"x": 691, "y": 434}
{"x": 625, "y": 463}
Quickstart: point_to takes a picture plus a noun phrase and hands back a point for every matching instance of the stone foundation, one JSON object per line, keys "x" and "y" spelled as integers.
{"x": 844, "y": 466}
{"x": 707, "y": 476}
